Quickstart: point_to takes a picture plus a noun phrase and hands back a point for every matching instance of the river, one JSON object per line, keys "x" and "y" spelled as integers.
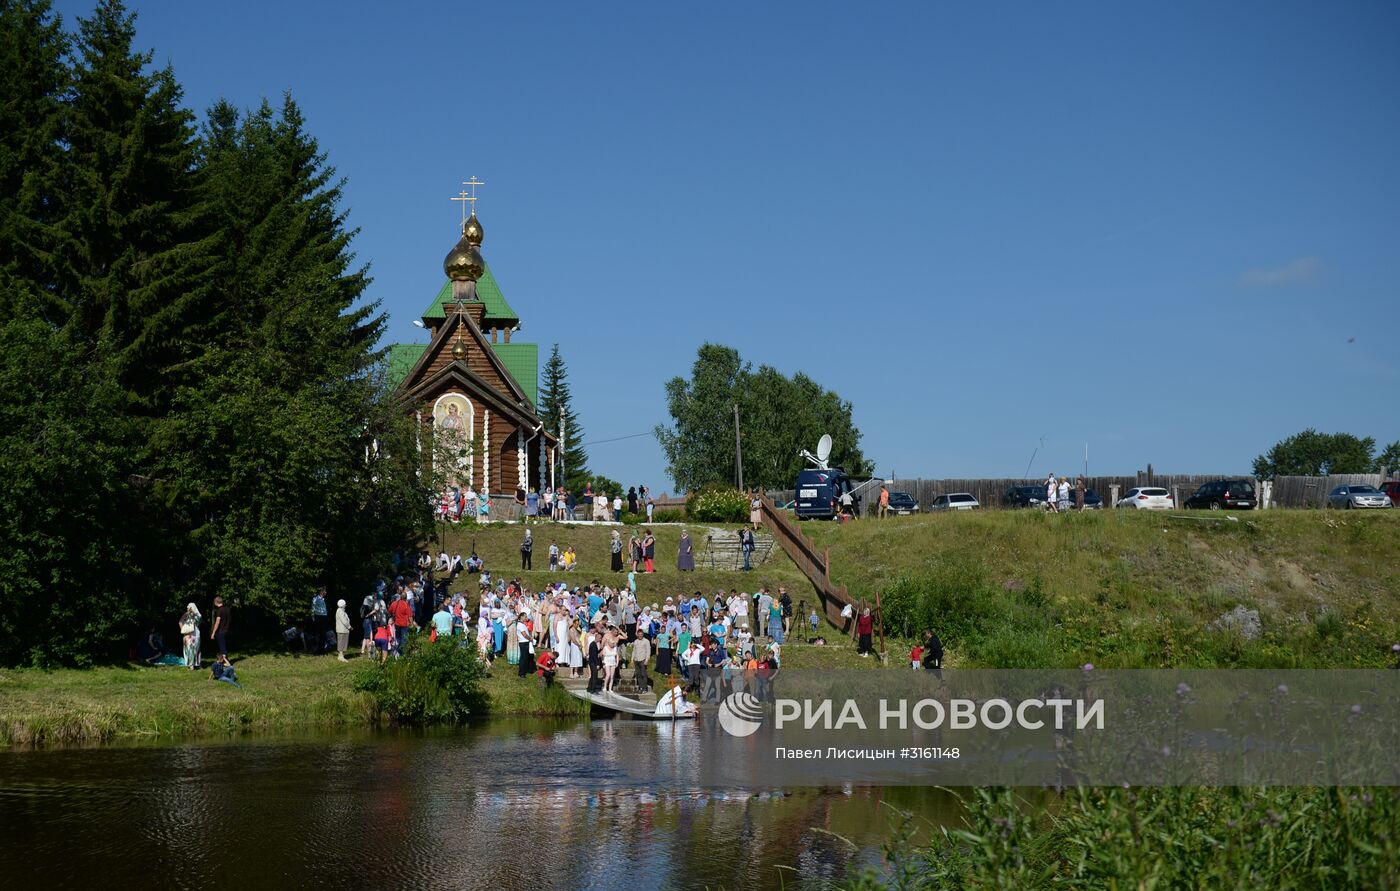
{"x": 508, "y": 804}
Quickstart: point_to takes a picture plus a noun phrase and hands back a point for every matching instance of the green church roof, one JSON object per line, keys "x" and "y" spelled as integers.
{"x": 522, "y": 360}
{"x": 490, "y": 293}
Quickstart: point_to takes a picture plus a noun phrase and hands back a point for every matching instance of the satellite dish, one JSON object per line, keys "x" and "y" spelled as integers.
{"x": 824, "y": 448}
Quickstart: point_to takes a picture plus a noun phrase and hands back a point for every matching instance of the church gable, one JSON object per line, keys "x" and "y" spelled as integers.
{"x": 460, "y": 343}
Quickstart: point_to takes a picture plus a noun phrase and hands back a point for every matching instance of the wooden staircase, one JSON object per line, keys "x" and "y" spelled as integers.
{"x": 723, "y": 551}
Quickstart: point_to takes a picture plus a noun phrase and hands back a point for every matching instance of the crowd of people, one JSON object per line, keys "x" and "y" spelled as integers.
{"x": 463, "y": 503}
{"x": 1059, "y": 491}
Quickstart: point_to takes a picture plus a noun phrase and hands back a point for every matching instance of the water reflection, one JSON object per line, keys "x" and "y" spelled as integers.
{"x": 506, "y": 805}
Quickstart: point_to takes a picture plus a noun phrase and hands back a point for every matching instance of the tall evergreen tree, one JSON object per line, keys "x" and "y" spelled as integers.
{"x": 192, "y": 402}
{"x": 556, "y": 411}
{"x": 286, "y": 459}
{"x": 34, "y": 81}
{"x": 134, "y": 288}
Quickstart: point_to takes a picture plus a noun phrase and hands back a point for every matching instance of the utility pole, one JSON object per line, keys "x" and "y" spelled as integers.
{"x": 561, "y": 444}
{"x": 738, "y": 449}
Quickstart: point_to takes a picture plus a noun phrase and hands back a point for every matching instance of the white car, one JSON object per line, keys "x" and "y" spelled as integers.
{"x": 1147, "y": 498}
{"x": 955, "y": 501}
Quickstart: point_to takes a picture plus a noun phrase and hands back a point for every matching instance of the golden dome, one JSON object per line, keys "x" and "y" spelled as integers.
{"x": 459, "y": 351}
{"x": 463, "y": 263}
{"x": 472, "y": 231}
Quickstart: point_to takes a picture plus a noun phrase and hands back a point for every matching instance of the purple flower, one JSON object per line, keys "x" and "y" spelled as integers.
{"x": 1088, "y": 666}
{"x": 1182, "y": 689}
{"x": 1166, "y": 751}
{"x": 1395, "y": 648}
{"x": 1283, "y": 688}
{"x": 1356, "y": 709}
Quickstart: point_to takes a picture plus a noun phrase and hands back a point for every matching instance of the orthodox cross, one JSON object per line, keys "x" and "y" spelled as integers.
{"x": 468, "y": 197}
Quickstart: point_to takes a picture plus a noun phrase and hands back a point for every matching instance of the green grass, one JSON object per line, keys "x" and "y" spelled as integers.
{"x": 1023, "y": 589}
{"x": 1169, "y": 838}
{"x": 499, "y": 545}
{"x": 1004, "y": 589}
{"x": 99, "y": 704}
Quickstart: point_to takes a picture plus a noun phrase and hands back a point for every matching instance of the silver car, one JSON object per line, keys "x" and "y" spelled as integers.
{"x": 955, "y": 501}
{"x": 1357, "y": 496}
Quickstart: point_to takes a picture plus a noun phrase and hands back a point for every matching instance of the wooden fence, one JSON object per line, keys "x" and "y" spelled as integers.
{"x": 816, "y": 565}
{"x": 1311, "y": 491}
{"x": 1284, "y": 491}
{"x": 989, "y": 492}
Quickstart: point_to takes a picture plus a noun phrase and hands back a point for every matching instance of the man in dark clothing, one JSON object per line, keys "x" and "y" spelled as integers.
{"x": 933, "y": 652}
{"x": 527, "y": 546}
{"x": 223, "y": 623}
{"x": 595, "y": 660}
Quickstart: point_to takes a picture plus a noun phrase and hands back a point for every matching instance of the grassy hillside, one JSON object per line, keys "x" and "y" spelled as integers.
{"x": 499, "y": 545}
{"x": 1126, "y": 589}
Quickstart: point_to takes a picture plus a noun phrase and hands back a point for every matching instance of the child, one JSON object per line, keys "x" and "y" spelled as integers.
{"x": 553, "y": 557}
{"x": 916, "y": 657}
{"x": 814, "y": 620}
{"x": 382, "y": 636}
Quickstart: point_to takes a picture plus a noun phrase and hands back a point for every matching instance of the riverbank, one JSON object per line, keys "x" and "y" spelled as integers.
{"x": 279, "y": 693}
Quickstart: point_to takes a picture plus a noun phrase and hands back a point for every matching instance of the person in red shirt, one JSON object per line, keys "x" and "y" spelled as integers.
{"x": 544, "y": 666}
{"x": 865, "y": 626}
{"x": 916, "y": 657}
{"x": 401, "y": 615}
{"x": 382, "y": 637}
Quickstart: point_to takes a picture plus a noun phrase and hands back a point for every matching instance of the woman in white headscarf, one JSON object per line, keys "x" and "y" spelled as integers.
{"x": 189, "y": 629}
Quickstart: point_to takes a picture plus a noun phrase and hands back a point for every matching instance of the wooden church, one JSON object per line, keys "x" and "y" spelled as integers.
{"x": 472, "y": 389}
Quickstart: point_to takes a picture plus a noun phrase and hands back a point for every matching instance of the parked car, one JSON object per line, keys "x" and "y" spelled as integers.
{"x": 1223, "y": 495}
{"x": 1092, "y": 501}
{"x": 955, "y": 501}
{"x": 903, "y": 504}
{"x": 1357, "y": 496}
{"x": 1024, "y": 496}
{"x": 1147, "y": 498}
{"x": 1392, "y": 488}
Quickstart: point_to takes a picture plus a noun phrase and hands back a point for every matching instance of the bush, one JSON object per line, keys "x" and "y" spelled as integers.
{"x": 670, "y": 516}
{"x": 433, "y": 683}
{"x": 717, "y": 504}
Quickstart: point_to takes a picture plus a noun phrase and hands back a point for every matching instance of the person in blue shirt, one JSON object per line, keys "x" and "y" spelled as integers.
{"x": 595, "y": 603}
{"x": 442, "y": 620}
{"x": 718, "y": 631}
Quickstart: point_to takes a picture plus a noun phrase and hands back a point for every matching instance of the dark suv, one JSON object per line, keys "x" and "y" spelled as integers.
{"x": 1225, "y": 495}
{"x": 1024, "y": 496}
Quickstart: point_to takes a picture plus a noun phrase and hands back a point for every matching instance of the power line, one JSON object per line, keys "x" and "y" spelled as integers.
{"x": 616, "y": 438}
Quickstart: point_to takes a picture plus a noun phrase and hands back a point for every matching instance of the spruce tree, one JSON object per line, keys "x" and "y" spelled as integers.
{"x": 307, "y": 484}
{"x": 556, "y": 406}
{"x": 134, "y": 287}
{"x": 34, "y": 81}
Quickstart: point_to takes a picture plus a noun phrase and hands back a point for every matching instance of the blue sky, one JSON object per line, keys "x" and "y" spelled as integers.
{"x": 1149, "y": 227}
